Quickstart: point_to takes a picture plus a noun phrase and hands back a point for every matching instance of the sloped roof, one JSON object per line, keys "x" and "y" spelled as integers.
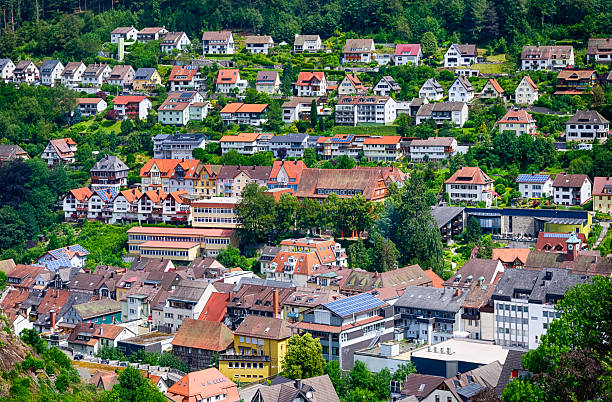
{"x": 104, "y": 379}
{"x": 361, "y": 180}
{"x": 305, "y": 78}
{"x": 358, "y": 45}
{"x": 509, "y": 255}
{"x": 467, "y": 50}
{"x": 97, "y": 307}
{"x": 223, "y": 36}
{"x": 496, "y": 85}
{"x": 321, "y": 389}
{"x": 385, "y": 140}
{"x": 266, "y": 77}
{"x": 215, "y": 307}
{"x": 110, "y": 163}
{"x": 201, "y": 334}
{"x": 406, "y": 49}
{"x": 424, "y": 297}
{"x": 228, "y": 76}
{"x": 465, "y": 83}
{"x": 122, "y": 30}
{"x": 144, "y": 73}
{"x": 549, "y": 241}
{"x": 546, "y": 52}
{"x": 254, "y": 172}
{"x": 421, "y": 385}
{"x": 254, "y": 39}
{"x": 469, "y": 175}
{"x": 300, "y": 39}
{"x": 293, "y": 169}
{"x": 570, "y": 180}
{"x": 108, "y": 331}
{"x": 204, "y": 385}
{"x": 517, "y": 116}
{"x": 120, "y": 71}
{"x": 81, "y": 194}
{"x": 264, "y": 327}
{"x": 601, "y": 183}
{"x": 575, "y": 75}
{"x": 587, "y": 117}
{"x": 71, "y": 67}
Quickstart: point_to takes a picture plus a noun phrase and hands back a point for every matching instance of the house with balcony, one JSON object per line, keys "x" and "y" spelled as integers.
{"x": 441, "y": 112}
{"x": 51, "y": 72}
{"x": 286, "y": 175}
{"x": 109, "y": 172}
{"x": 128, "y": 34}
{"x": 268, "y": 82}
{"x": 148, "y": 34}
{"x": 176, "y": 109}
{"x": 311, "y": 84}
{"x": 518, "y": 121}
{"x": 450, "y": 222}
{"x": 492, "y": 90}
{"x": 73, "y": 74}
{"x": 299, "y": 107}
{"x": 526, "y": 92}
{"x": 307, "y": 44}
{"x": 186, "y": 301}
{"x": 229, "y": 81}
{"x": 172, "y": 41}
{"x": 460, "y": 55}
{"x": 470, "y": 185}
{"x": 95, "y": 75}
{"x": 26, "y": 72}
{"x": 431, "y": 90}
{"x": 100, "y": 205}
{"x": 432, "y": 149}
{"x": 289, "y": 145}
{"x": 461, "y": 90}
{"x": 185, "y": 78}
{"x": 75, "y": 204}
{"x": 535, "y": 185}
{"x": 351, "y": 84}
{"x": 218, "y": 42}
{"x": 122, "y": 76}
{"x": 146, "y": 79}
{"x": 177, "y": 146}
{"x": 170, "y": 175}
{"x": 575, "y": 82}
{"x": 232, "y": 179}
{"x": 259, "y": 44}
{"x": 340, "y": 144}
{"x": 251, "y": 114}
{"x": 386, "y": 86}
{"x": 547, "y": 57}
{"x": 132, "y": 106}
{"x": 599, "y": 50}
{"x": 59, "y": 151}
{"x": 91, "y": 106}
{"x": 359, "y": 51}
{"x": 125, "y": 206}
{"x": 571, "y": 189}
{"x": 587, "y": 126}
{"x": 383, "y": 148}
{"x": 407, "y": 54}
{"x": 365, "y": 109}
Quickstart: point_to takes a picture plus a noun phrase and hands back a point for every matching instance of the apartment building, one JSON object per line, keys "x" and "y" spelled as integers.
{"x": 307, "y": 44}
{"x": 526, "y": 92}
{"x": 535, "y": 185}
{"x": 289, "y": 145}
{"x": 299, "y": 107}
{"x": 177, "y": 146}
{"x": 432, "y": 149}
{"x": 170, "y": 175}
{"x": 358, "y": 110}
{"x": 216, "y": 212}
{"x": 244, "y": 113}
{"x": 311, "y": 84}
{"x": 91, "y": 106}
{"x": 470, "y": 185}
{"x": 229, "y": 81}
{"x": 518, "y": 121}
{"x": 384, "y": 148}
{"x": 587, "y": 126}
{"x": 441, "y": 112}
{"x": 218, "y": 42}
{"x": 109, "y": 172}
{"x": 232, "y": 179}
{"x": 547, "y": 57}
{"x": 571, "y": 189}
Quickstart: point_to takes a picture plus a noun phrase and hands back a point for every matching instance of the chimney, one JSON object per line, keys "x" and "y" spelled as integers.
{"x": 275, "y": 303}
{"x": 457, "y": 292}
{"x": 52, "y": 318}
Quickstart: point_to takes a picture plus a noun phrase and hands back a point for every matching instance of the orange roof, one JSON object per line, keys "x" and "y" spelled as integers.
{"x": 53, "y": 300}
{"x": 231, "y": 107}
{"x": 215, "y": 308}
{"x": 228, "y": 76}
{"x": 575, "y": 74}
{"x": 155, "y": 195}
{"x": 242, "y": 137}
{"x": 253, "y": 108}
{"x": 519, "y": 116}
{"x": 95, "y": 101}
{"x": 203, "y": 384}
{"x": 182, "y": 74}
{"x": 496, "y": 85}
{"x": 277, "y": 192}
{"x": 125, "y": 99}
{"x": 12, "y": 302}
{"x": 292, "y": 168}
{"x": 202, "y": 334}
{"x": 436, "y": 280}
{"x": 384, "y": 140}
{"x": 352, "y": 77}
{"x": 131, "y": 194}
{"x": 509, "y": 255}
{"x": 469, "y": 175}
{"x": 305, "y": 78}
{"x": 304, "y": 265}
{"x": 168, "y": 244}
{"x": 81, "y": 194}
{"x": 187, "y": 232}
{"x": 530, "y": 82}
{"x": 168, "y": 167}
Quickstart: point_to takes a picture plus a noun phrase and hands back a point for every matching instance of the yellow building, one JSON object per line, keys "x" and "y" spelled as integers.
{"x": 217, "y": 212}
{"x": 602, "y": 194}
{"x": 206, "y": 186}
{"x": 146, "y": 79}
{"x": 260, "y": 344}
{"x": 568, "y": 225}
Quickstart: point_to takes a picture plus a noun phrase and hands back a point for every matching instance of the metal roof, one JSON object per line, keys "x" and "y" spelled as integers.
{"x": 355, "y": 304}
{"x": 532, "y": 178}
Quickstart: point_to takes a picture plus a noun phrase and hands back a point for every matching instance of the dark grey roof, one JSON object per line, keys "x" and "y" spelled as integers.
{"x": 189, "y": 290}
{"x": 291, "y": 137}
{"x": 10, "y": 152}
{"x": 513, "y": 362}
{"x": 587, "y": 117}
{"x": 187, "y": 138}
{"x": 443, "y": 215}
{"x": 428, "y": 298}
{"x": 144, "y": 73}
{"x": 48, "y": 66}
{"x": 254, "y": 172}
{"x": 4, "y": 62}
{"x": 447, "y": 106}
{"x": 536, "y": 286}
{"x": 262, "y": 282}
{"x": 434, "y": 84}
{"x": 110, "y": 163}
{"x": 466, "y": 83}
{"x": 268, "y": 253}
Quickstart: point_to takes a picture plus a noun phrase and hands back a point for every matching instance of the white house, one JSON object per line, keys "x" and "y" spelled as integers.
{"x": 51, "y": 72}
{"x": 6, "y": 70}
{"x": 243, "y": 143}
{"x": 432, "y": 149}
{"x": 293, "y": 144}
{"x": 440, "y": 112}
{"x": 298, "y": 108}
{"x": 95, "y": 74}
{"x": 268, "y": 81}
{"x": 535, "y": 185}
{"x": 386, "y": 86}
{"x": 572, "y": 189}
{"x": 132, "y": 107}
{"x": 175, "y": 41}
{"x": 175, "y": 110}
{"x": 383, "y": 148}
{"x": 122, "y": 76}
{"x": 519, "y": 121}
{"x": 307, "y": 43}
{"x": 492, "y": 90}
{"x": 351, "y": 84}
{"x": 151, "y": 33}
{"x": 526, "y": 92}
{"x": 244, "y": 113}
{"x": 365, "y": 109}
{"x": 587, "y": 126}
{"x": 407, "y": 54}
{"x": 470, "y": 185}
{"x": 461, "y": 90}
{"x": 259, "y": 44}
{"x": 547, "y": 57}
{"x": 359, "y": 51}
{"x": 185, "y": 78}
{"x": 26, "y": 72}
{"x": 218, "y": 42}
{"x": 228, "y": 81}
{"x": 599, "y": 50}
{"x": 73, "y": 74}
{"x": 431, "y": 90}
{"x": 311, "y": 83}
{"x": 58, "y": 151}
{"x": 128, "y": 34}
{"x": 460, "y": 55}
{"x": 91, "y": 106}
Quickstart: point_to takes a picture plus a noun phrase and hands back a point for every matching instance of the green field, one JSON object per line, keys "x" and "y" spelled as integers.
{"x": 366, "y": 130}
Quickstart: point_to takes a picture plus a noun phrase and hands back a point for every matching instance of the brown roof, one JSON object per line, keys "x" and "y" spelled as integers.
{"x": 122, "y": 30}
{"x": 150, "y": 30}
{"x": 467, "y": 50}
{"x": 545, "y": 52}
{"x": 472, "y": 270}
{"x": 300, "y": 39}
{"x": 258, "y": 39}
{"x": 108, "y": 331}
{"x": 575, "y": 75}
{"x": 27, "y": 274}
{"x": 54, "y": 300}
{"x": 530, "y": 82}
{"x": 469, "y": 175}
{"x": 601, "y": 46}
{"x": 358, "y": 45}
{"x": 362, "y": 180}
{"x": 602, "y": 183}
{"x": 321, "y": 388}
{"x": 421, "y": 385}
{"x": 433, "y": 142}
{"x": 7, "y": 266}
{"x": 206, "y": 335}
{"x": 71, "y": 67}
{"x": 587, "y": 117}
{"x": 570, "y": 180}
{"x": 517, "y": 116}
{"x": 254, "y": 172}
{"x": 172, "y": 38}
{"x": 297, "y": 100}
{"x": 12, "y": 302}
{"x": 104, "y": 380}
{"x": 264, "y": 327}
{"x": 217, "y": 36}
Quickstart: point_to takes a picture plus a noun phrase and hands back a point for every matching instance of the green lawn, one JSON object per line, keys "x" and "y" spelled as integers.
{"x": 490, "y": 68}
{"x": 366, "y": 130}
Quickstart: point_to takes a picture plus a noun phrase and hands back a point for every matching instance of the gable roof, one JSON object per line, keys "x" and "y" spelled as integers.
{"x": 529, "y": 81}
{"x": 557, "y": 242}
{"x": 144, "y": 73}
{"x": 495, "y": 85}
{"x": 355, "y": 81}
{"x": 421, "y": 385}
{"x": 204, "y": 385}
{"x": 217, "y": 36}
{"x": 49, "y": 65}
{"x": 407, "y": 49}
{"x": 509, "y": 255}
{"x": 363, "y": 180}
{"x": 570, "y": 180}
{"x": 320, "y": 388}
{"x": 266, "y": 77}
{"x": 261, "y": 173}
{"x": 469, "y": 175}
{"x": 239, "y": 107}
{"x": 601, "y": 183}
{"x": 358, "y": 45}
{"x": 81, "y": 194}
{"x": 575, "y": 75}
{"x": 546, "y": 52}
{"x": 257, "y": 39}
{"x": 215, "y": 307}
{"x": 110, "y": 163}
{"x": 300, "y": 39}
{"x": 172, "y": 38}
{"x": 201, "y": 334}
{"x": 183, "y": 73}
{"x": 264, "y": 327}
{"x": 517, "y": 116}
{"x": 228, "y": 76}
{"x": 305, "y": 78}
{"x": 465, "y": 83}
{"x": 466, "y": 50}
{"x": 122, "y": 30}
{"x": 71, "y": 67}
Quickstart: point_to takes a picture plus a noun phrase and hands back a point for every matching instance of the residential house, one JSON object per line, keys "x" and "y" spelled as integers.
{"x": 69, "y": 256}
{"x": 177, "y": 107}
{"x": 175, "y": 41}
{"x": 450, "y": 221}
{"x": 257, "y": 297}
{"x": 351, "y": 84}
{"x": 146, "y": 79}
{"x": 26, "y": 72}
{"x": 492, "y": 90}
{"x": 125, "y": 205}
{"x": 104, "y": 380}
{"x": 243, "y": 143}
{"x": 315, "y": 389}
{"x": 110, "y": 171}
{"x": 207, "y": 185}
{"x": 535, "y": 185}
{"x": 95, "y": 75}
{"x": 91, "y": 106}
{"x": 51, "y": 72}
{"x": 6, "y": 70}
{"x": 128, "y": 34}
{"x": 9, "y": 153}
{"x": 286, "y": 175}
{"x": 602, "y": 194}
{"x": 218, "y": 42}
{"x": 386, "y": 86}
{"x": 268, "y": 81}
{"x": 25, "y": 276}
{"x": 204, "y": 385}
{"x": 429, "y": 314}
{"x": 170, "y": 175}
{"x": 100, "y": 205}
{"x": 547, "y": 57}
{"x": 151, "y": 33}
{"x": 59, "y": 151}
{"x": 12, "y": 304}
{"x": 575, "y": 82}
{"x": 229, "y": 81}
{"x": 395, "y": 281}
{"x": 82, "y": 339}
{"x": 384, "y": 148}
{"x": 216, "y": 212}
{"x": 185, "y": 78}
{"x": 259, "y": 44}
{"x": 122, "y": 76}
{"x": 187, "y": 300}
{"x": 525, "y": 300}
{"x": 75, "y": 203}
{"x": 431, "y": 90}
{"x": 72, "y": 76}
{"x": 599, "y": 50}
{"x": 557, "y": 242}
{"x": 347, "y": 325}
{"x": 511, "y": 257}
{"x": 359, "y": 51}
{"x": 307, "y": 44}
{"x": 102, "y": 311}
{"x": 470, "y": 185}
{"x": 90, "y": 285}
{"x": 298, "y": 108}
{"x": 526, "y": 92}
{"x": 311, "y": 83}
{"x": 198, "y": 111}
{"x": 289, "y": 145}
{"x": 461, "y": 90}
{"x": 518, "y": 121}
{"x": 572, "y": 189}
{"x": 232, "y": 179}
{"x": 366, "y": 109}
{"x": 132, "y": 106}
{"x": 177, "y": 146}
{"x": 197, "y": 340}
{"x": 245, "y": 113}
{"x": 407, "y": 54}
{"x": 460, "y": 55}
{"x": 441, "y": 112}
{"x": 433, "y": 149}
{"x": 587, "y": 126}
{"x": 304, "y": 299}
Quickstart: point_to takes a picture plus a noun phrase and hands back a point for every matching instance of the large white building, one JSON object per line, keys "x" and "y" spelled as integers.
{"x": 572, "y": 189}
{"x": 441, "y": 112}
{"x": 229, "y": 81}
{"x": 307, "y": 43}
{"x": 518, "y": 121}
{"x": 460, "y": 55}
{"x": 358, "y": 110}
{"x": 547, "y": 57}
{"x": 218, "y": 42}
{"x": 587, "y": 126}
{"x": 51, "y": 72}
{"x": 384, "y": 148}
{"x": 431, "y": 90}
{"x": 535, "y": 185}
{"x": 433, "y": 149}
{"x": 470, "y": 185}
{"x": 526, "y": 92}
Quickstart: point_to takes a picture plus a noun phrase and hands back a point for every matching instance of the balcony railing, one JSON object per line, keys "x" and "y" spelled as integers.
{"x": 250, "y": 358}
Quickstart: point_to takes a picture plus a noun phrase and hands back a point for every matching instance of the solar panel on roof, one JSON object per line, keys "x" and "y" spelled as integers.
{"x": 354, "y": 304}
{"x": 557, "y": 235}
{"x": 470, "y": 390}
{"x": 535, "y": 178}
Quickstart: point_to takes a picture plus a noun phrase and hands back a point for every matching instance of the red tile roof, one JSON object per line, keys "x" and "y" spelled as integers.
{"x": 496, "y": 85}
{"x": 469, "y": 175}
{"x": 93, "y": 101}
{"x": 385, "y": 140}
{"x": 509, "y": 255}
{"x": 124, "y": 100}
{"x": 204, "y": 384}
{"x": 406, "y": 49}
{"x": 305, "y": 78}
{"x": 244, "y": 108}
{"x": 81, "y": 194}
{"x": 187, "y": 232}
{"x": 53, "y": 300}
{"x": 530, "y": 82}
{"x": 168, "y": 167}
{"x": 556, "y": 242}
{"x": 519, "y": 116}
{"x": 292, "y": 168}
{"x": 215, "y": 308}
{"x": 201, "y": 334}
{"x": 600, "y": 183}
{"x": 168, "y": 244}
{"x": 179, "y": 73}
{"x": 228, "y": 76}
{"x": 108, "y": 331}
{"x": 435, "y": 279}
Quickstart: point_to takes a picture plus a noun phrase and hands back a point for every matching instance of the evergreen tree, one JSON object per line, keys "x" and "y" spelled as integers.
{"x": 314, "y": 114}
{"x": 429, "y": 44}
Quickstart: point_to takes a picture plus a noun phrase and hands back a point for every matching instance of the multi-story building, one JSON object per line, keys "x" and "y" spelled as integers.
{"x": 359, "y": 51}
{"x": 6, "y": 70}
{"x": 340, "y": 144}
{"x": 599, "y": 50}
{"x": 177, "y": 146}
{"x": 122, "y": 76}
{"x": 311, "y": 83}
{"x": 73, "y": 74}
{"x": 571, "y": 189}
{"x": 524, "y": 302}
{"x": 176, "y": 109}
{"x": 351, "y": 84}
{"x": 461, "y": 90}
{"x": 185, "y": 78}
{"x": 384, "y": 148}
{"x": 547, "y": 57}
{"x": 26, "y": 72}
{"x": 128, "y": 34}
{"x": 232, "y": 179}
{"x": 187, "y": 300}
{"x": 298, "y": 108}
{"x": 206, "y": 186}
{"x": 526, "y": 92}
{"x": 450, "y": 221}
{"x": 75, "y": 203}
{"x": 95, "y": 75}
{"x": 587, "y": 126}
{"x": 460, "y": 55}
{"x": 470, "y": 185}
{"x": 244, "y": 143}
{"x": 518, "y": 121}
{"x": 59, "y": 151}
{"x": 9, "y": 153}
{"x": 91, "y": 106}
{"x": 197, "y": 340}
{"x": 428, "y": 314}
{"x": 218, "y": 42}
{"x": 51, "y": 72}
{"x": 109, "y": 172}
{"x": 602, "y": 194}
{"x": 535, "y": 185}
{"x": 252, "y": 114}
{"x": 170, "y": 175}
{"x": 386, "y": 86}
{"x": 229, "y": 81}
{"x": 347, "y": 325}
{"x": 307, "y": 44}
{"x": 431, "y": 90}
{"x": 289, "y": 145}
{"x": 151, "y": 33}
{"x": 132, "y": 106}
{"x": 146, "y": 79}
{"x": 268, "y": 81}
{"x": 175, "y": 41}
{"x": 286, "y": 175}
{"x": 358, "y": 110}
{"x": 204, "y": 385}
{"x": 259, "y": 44}
{"x": 260, "y": 344}
{"x": 433, "y": 149}
{"x": 575, "y": 82}
{"x": 442, "y": 112}
{"x": 407, "y": 54}
{"x": 216, "y": 212}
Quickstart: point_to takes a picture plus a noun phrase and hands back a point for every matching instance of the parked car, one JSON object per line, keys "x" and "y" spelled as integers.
{"x": 105, "y": 361}
{"x": 78, "y": 356}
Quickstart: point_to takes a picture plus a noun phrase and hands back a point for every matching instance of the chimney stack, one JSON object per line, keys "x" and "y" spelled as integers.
{"x": 52, "y": 318}
{"x": 457, "y": 292}
{"x": 275, "y": 303}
